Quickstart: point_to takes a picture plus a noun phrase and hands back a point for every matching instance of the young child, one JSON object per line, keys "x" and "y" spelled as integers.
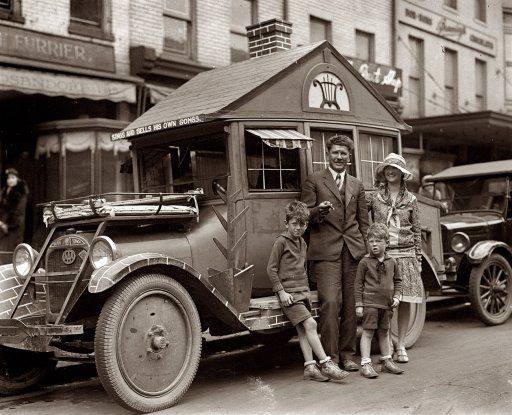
{"x": 377, "y": 290}
{"x": 287, "y": 273}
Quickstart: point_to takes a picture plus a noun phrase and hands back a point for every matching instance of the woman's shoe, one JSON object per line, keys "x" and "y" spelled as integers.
{"x": 402, "y": 355}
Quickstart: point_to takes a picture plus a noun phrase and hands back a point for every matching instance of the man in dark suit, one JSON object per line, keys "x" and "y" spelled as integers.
{"x": 337, "y": 226}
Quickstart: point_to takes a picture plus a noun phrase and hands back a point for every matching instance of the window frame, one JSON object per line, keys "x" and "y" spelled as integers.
{"x": 235, "y": 30}
{"x": 102, "y": 31}
{"x": 12, "y": 12}
{"x": 507, "y": 39}
{"x": 454, "y": 105}
{"x": 326, "y": 23}
{"x": 480, "y": 11}
{"x": 447, "y": 4}
{"x": 483, "y": 95}
{"x": 191, "y": 31}
{"x": 421, "y": 77}
{"x": 371, "y": 44}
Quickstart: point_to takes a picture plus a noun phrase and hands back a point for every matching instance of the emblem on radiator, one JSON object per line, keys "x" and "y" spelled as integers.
{"x": 68, "y": 256}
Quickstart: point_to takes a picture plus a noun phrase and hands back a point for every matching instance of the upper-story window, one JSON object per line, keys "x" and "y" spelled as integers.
{"x": 480, "y": 10}
{"x": 452, "y": 4}
{"x": 450, "y": 81}
{"x": 91, "y": 18}
{"x": 365, "y": 46}
{"x": 319, "y": 29}
{"x": 178, "y": 30}
{"x": 480, "y": 85}
{"x": 242, "y": 15}
{"x": 415, "y": 82}
{"x": 507, "y": 29}
{"x": 11, "y": 10}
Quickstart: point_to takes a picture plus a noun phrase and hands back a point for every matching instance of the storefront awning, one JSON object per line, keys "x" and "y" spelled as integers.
{"x": 158, "y": 93}
{"x": 52, "y": 84}
{"x": 288, "y": 139}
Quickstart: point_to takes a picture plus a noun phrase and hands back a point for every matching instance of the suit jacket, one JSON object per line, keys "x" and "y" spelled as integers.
{"x": 327, "y": 235}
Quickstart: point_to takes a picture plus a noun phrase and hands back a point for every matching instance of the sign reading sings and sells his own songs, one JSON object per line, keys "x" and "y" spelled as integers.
{"x": 165, "y": 125}
{"x": 35, "y": 46}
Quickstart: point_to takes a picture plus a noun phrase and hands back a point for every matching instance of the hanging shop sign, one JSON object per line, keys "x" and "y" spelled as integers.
{"x": 166, "y": 125}
{"x": 445, "y": 27}
{"x": 386, "y": 79}
{"x": 36, "y": 46}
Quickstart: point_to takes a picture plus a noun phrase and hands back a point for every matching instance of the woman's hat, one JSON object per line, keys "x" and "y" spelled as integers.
{"x": 394, "y": 160}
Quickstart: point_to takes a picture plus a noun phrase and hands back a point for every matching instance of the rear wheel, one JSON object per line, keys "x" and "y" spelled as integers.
{"x": 21, "y": 370}
{"x": 490, "y": 290}
{"x": 148, "y": 343}
{"x": 416, "y": 323}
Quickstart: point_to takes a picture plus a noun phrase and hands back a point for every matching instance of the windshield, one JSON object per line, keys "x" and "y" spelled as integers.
{"x": 184, "y": 165}
{"x": 473, "y": 194}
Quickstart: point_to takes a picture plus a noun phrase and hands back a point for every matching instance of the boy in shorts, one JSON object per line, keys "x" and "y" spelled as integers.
{"x": 377, "y": 291}
{"x": 287, "y": 272}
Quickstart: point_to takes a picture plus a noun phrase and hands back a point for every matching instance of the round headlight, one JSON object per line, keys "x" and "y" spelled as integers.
{"x": 103, "y": 252}
{"x": 460, "y": 242}
{"x": 23, "y": 258}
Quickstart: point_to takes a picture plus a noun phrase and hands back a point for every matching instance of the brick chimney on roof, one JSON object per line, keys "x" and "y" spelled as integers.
{"x": 268, "y": 37}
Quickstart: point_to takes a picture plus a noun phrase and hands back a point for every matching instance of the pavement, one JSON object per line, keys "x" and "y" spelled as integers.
{"x": 458, "y": 366}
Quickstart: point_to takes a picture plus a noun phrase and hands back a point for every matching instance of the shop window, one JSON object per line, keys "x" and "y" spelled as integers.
{"x": 271, "y": 168}
{"x": 184, "y": 166}
{"x": 178, "y": 27}
{"x": 242, "y": 15}
{"x": 415, "y": 81}
{"x": 452, "y": 4}
{"x": 480, "y": 85}
{"x": 365, "y": 46}
{"x": 319, "y": 29}
{"x": 319, "y": 149}
{"x": 78, "y": 168}
{"x": 372, "y": 150}
{"x": 91, "y": 18}
{"x": 11, "y": 10}
{"x": 480, "y": 10}
{"x": 450, "y": 81}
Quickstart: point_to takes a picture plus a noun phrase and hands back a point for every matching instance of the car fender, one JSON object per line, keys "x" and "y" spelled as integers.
{"x": 483, "y": 249}
{"x": 429, "y": 274}
{"x": 199, "y": 287}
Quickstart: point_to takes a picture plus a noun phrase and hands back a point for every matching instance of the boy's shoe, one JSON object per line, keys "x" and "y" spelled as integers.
{"x": 350, "y": 366}
{"x": 332, "y": 371}
{"x": 312, "y": 372}
{"x": 368, "y": 371}
{"x": 389, "y": 366}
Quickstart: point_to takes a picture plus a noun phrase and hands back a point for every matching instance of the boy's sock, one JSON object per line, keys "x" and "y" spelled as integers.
{"x": 324, "y": 360}
{"x": 309, "y": 362}
{"x": 388, "y": 356}
{"x": 365, "y": 360}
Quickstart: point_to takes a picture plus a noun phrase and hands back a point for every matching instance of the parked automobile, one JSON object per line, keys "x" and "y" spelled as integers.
{"x": 477, "y": 236}
{"x": 132, "y": 281}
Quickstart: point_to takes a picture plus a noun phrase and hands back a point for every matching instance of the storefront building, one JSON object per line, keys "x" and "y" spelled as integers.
{"x": 454, "y": 81}
{"x": 65, "y": 86}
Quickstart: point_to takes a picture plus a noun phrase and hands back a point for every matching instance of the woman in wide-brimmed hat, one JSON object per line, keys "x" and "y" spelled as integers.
{"x": 397, "y": 208}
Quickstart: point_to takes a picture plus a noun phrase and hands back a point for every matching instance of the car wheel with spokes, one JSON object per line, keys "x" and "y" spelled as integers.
{"x": 490, "y": 291}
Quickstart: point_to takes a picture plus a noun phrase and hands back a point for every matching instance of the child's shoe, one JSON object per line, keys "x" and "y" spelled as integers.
{"x": 402, "y": 355}
{"x": 332, "y": 371}
{"x": 368, "y": 371}
{"x": 389, "y": 366}
{"x": 312, "y": 372}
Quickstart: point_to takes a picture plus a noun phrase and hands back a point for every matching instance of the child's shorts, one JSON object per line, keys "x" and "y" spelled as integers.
{"x": 300, "y": 310}
{"x": 376, "y": 318}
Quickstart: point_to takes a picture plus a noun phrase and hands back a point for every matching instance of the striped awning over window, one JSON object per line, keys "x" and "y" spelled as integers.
{"x": 287, "y": 139}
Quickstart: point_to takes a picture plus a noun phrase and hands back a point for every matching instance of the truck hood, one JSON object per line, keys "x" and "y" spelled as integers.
{"x": 470, "y": 220}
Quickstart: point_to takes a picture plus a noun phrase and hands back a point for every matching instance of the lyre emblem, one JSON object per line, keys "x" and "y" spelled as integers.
{"x": 329, "y": 88}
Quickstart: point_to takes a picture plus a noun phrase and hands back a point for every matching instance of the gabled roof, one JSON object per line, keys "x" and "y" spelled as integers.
{"x": 212, "y": 91}
{"x": 475, "y": 170}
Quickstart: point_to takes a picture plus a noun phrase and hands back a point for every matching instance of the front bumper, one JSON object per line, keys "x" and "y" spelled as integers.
{"x": 35, "y": 337}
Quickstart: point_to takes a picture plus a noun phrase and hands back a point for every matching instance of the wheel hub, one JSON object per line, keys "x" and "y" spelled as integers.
{"x": 156, "y": 342}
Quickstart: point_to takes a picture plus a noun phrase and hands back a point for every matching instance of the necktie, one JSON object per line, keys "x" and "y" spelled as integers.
{"x": 338, "y": 180}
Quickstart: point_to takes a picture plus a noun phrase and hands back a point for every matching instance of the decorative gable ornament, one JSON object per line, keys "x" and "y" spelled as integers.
{"x": 328, "y": 92}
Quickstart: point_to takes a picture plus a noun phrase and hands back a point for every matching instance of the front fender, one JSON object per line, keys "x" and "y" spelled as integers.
{"x": 481, "y": 250}
{"x": 200, "y": 288}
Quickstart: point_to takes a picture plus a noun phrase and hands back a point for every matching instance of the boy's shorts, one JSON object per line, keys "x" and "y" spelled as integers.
{"x": 376, "y": 318}
{"x": 300, "y": 309}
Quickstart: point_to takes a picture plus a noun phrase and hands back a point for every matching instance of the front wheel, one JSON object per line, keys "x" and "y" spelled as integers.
{"x": 490, "y": 286}
{"x": 148, "y": 343}
{"x": 21, "y": 370}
